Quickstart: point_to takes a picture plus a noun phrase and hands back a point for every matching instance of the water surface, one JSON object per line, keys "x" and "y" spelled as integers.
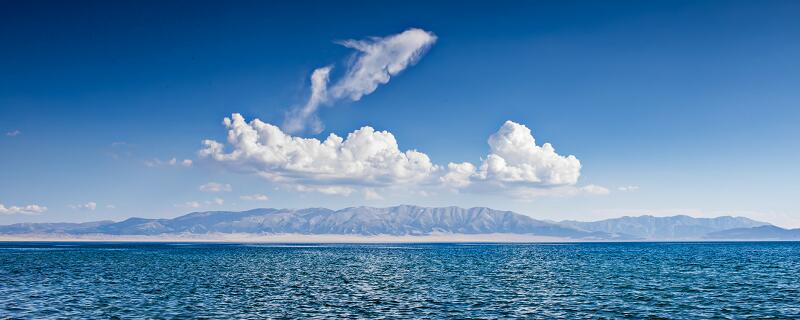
{"x": 589, "y": 280}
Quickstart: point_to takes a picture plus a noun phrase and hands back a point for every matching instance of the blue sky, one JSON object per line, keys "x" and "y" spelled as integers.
{"x": 693, "y": 104}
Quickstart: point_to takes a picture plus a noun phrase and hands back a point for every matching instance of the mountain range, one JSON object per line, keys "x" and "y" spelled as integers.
{"x": 407, "y": 220}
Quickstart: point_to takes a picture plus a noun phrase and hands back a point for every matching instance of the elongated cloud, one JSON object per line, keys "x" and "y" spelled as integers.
{"x": 368, "y": 161}
{"x": 215, "y": 187}
{"x": 377, "y": 60}
{"x": 29, "y": 209}
{"x": 85, "y": 206}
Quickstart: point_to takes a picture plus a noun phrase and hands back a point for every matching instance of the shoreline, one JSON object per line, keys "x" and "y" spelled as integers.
{"x": 341, "y": 239}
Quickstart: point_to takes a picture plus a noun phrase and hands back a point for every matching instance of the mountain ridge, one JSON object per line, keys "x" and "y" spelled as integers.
{"x": 401, "y": 220}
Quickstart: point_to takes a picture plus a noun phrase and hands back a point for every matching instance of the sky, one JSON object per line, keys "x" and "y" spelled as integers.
{"x": 554, "y": 109}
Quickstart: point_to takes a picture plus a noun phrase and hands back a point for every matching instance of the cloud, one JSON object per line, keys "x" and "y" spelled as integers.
{"x": 529, "y": 193}
{"x": 198, "y": 204}
{"x": 88, "y": 206}
{"x": 515, "y": 158}
{"x": 155, "y": 162}
{"x": 215, "y": 187}
{"x": 29, "y": 209}
{"x": 189, "y": 204}
{"x": 120, "y": 150}
{"x": 628, "y": 188}
{"x": 368, "y": 161}
{"x": 366, "y": 157}
{"x": 377, "y": 60}
{"x": 515, "y": 162}
{"x": 13, "y": 133}
{"x": 254, "y": 197}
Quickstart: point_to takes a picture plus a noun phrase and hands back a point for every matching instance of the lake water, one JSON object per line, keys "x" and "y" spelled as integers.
{"x": 591, "y": 280}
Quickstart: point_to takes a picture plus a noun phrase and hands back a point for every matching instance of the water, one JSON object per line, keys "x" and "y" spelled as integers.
{"x": 624, "y": 280}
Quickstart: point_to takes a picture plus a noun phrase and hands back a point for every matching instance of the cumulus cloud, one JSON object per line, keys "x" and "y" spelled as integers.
{"x": 13, "y": 133}
{"x": 29, "y": 209}
{"x": 377, "y": 60}
{"x": 215, "y": 187}
{"x": 368, "y": 161}
{"x": 254, "y": 197}
{"x": 87, "y": 206}
{"x": 628, "y": 188}
{"x": 365, "y": 157}
{"x": 514, "y": 159}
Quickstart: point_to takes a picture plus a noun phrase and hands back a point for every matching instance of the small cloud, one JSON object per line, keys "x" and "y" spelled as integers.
{"x": 528, "y": 193}
{"x": 13, "y": 133}
{"x": 595, "y": 190}
{"x": 370, "y": 194}
{"x": 628, "y": 188}
{"x": 198, "y": 204}
{"x": 119, "y": 150}
{"x": 88, "y": 206}
{"x": 155, "y": 162}
{"x": 189, "y": 204}
{"x": 254, "y": 197}
{"x": 29, "y": 209}
{"x": 215, "y": 187}
{"x": 111, "y": 206}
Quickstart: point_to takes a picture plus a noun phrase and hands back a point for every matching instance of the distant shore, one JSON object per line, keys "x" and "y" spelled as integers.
{"x": 291, "y": 238}
{"x": 333, "y": 238}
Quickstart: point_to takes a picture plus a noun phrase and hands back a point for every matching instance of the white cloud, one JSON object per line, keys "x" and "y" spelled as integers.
{"x": 189, "y": 204}
{"x": 377, "y": 61}
{"x": 254, "y": 197}
{"x": 628, "y": 188}
{"x": 516, "y": 166}
{"x": 366, "y": 157}
{"x": 370, "y": 161}
{"x": 111, "y": 206}
{"x": 29, "y": 209}
{"x": 371, "y": 194}
{"x": 155, "y": 162}
{"x": 88, "y": 206}
{"x": 215, "y": 187}
{"x": 458, "y": 175}
{"x": 13, "y": 133}
{"x": 515, "y": 158}
{"x": 529, "y": 193}
{"x": 198, "y": 204}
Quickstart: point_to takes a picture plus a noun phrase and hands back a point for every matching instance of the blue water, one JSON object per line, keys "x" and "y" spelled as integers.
{"x": 623, "y": 280}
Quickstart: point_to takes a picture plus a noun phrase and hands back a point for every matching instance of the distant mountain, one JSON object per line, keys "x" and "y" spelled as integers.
{"x": 398, "y": 220}
{"x": 64, "y": 227}
{"x": 664, "y": 228}
{"x": 413, "y": 220}
{"x": 768, "y": 232}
